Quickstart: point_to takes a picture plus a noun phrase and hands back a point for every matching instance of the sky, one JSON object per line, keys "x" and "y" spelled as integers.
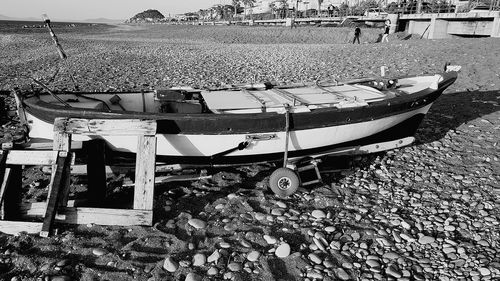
{"x": 92, "y": 9}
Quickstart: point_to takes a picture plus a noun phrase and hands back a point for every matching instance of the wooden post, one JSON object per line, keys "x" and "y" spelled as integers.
{"x": 4, "y": 180}
{"x": 62, "y": 55}
{"x": 60, "y": 177}
{"x": 59, "y": 185}
{"x": 145, "y": 172}
{"x": 96, "y": 171}
{"x": 62, "y": 142}
{"x": 5, "y": 184}
{"x": 10, "y": 193}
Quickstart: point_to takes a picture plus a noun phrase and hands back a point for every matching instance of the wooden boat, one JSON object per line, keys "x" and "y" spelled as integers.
{"x": 254, "y": 124}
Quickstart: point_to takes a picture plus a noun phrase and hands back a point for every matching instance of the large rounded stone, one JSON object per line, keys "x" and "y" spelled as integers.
{"x": 253, "y": 256}
{"x": 99, "y": 251}
{"x": 170, "y": 264}
{"x": 314, "y": 258}
{"x": 212, "y": 271}
{"x": 283, "y": 251}
{"x": 484, "y": 271}
{"x": 197, "y": 223}
{"x": 426, "y": 240}
{"x": 318, "y": 214}
{"x": 270, "y": 239}
{"x": 199, "y": 259}
{"x": 234, "y": 266}
{"x": 193, "y": 277}
{"x": 214, "y": 256}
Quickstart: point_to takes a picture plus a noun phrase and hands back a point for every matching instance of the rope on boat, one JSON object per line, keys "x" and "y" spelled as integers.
{"x": 244, "y": 144}
{"x": 241, "y": 146}
{"x": 51, "y": 93}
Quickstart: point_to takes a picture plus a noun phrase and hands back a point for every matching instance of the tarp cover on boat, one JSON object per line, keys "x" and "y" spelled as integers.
{"x": 301, "y": 99}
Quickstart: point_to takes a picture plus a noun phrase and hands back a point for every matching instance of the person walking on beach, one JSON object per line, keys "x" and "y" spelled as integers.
{"x": 385, "y": 37}
{"x": 357, "y": 32}
{"x": 330, "y": 10}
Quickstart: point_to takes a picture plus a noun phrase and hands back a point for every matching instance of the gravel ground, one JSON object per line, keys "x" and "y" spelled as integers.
{"x": 425, "y": 212}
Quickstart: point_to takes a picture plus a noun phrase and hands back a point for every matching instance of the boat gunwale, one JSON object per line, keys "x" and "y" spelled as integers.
{"x": 170, "y": 123}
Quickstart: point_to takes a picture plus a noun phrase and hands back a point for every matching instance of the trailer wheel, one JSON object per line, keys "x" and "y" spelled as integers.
{"x": 284, "y": 182}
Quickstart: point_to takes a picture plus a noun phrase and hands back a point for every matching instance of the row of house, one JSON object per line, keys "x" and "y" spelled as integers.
{"x": 218, "y": 12}
{"x": 265, "y": 6}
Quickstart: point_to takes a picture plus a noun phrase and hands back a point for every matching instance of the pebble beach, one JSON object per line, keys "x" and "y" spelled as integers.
{"x": 429, "y": 211}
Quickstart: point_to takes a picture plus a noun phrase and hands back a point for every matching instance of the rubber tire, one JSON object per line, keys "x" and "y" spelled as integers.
{"x": 284, "y": 176}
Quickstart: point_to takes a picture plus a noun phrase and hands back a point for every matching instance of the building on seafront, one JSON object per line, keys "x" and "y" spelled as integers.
{"x": 267, "y": 6}
{"x": 281, "y": 9}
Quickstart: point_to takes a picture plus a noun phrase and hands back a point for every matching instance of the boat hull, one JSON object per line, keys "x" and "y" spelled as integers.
{"x": 194, "y": 148}
{"x": 214, "y": 139}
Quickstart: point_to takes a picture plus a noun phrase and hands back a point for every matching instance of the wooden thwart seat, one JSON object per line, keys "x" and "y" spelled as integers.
{"x": 60, "y": 158}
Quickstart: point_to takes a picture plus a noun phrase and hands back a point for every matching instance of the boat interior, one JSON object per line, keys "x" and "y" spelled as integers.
{"x": 255, "y": 98}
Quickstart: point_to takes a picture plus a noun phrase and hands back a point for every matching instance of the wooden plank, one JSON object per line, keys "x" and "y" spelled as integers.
{"x": 62, "y": 143}
{"x": 96, "y": 171}
{"x": 61, "y": 174}
{"x": 3, "y": 187}
{"x": 23, "y": 157}
{"x": 64, "y": 189}
{"x": 15, "y": 227}
{"x": 115, "y": 127}
{"x": 102, "y": 216}
{"x": 81, "y": 215}
{"x": 11, "y": 193}
{"x": 48, "y": 145}
{"x": 4, "y": 178}
{"x": 145, "y": 173}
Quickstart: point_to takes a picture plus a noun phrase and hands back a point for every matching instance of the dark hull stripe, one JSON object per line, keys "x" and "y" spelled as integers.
{"x": 407, "y": 128}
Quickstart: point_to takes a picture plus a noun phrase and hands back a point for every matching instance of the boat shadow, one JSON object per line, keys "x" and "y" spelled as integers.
{"x": 452, "y": 110}
{"x": 448, "y": 113}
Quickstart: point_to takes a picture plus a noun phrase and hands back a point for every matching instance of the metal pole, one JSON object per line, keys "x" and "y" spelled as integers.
{"x": 287, "y": 134}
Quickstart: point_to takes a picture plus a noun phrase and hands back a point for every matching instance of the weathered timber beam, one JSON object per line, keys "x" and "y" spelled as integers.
{"x": 35, "y": 158}
{"x": 115, "y": 127}
{"x": 83, "y": 215}
{"x": 15, "y": 227}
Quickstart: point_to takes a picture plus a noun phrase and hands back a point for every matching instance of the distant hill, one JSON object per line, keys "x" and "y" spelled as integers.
{"x": 2, "y": 17}
{"x": 147, "y": 16}
{"x": 97, "y": 20}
